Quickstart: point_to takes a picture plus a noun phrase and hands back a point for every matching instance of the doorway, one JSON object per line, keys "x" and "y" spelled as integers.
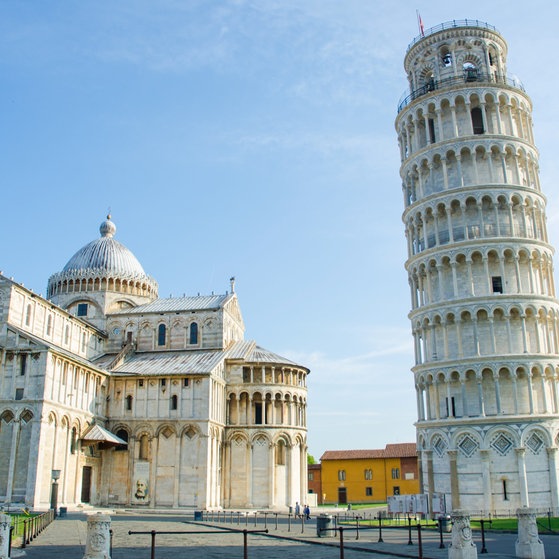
{"x": 86, "y": 484}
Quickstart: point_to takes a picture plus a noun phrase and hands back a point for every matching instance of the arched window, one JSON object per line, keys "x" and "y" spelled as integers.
{"x": 161, "y": 334}
{"x": 73, "y": 441}
{"x": 144, "y": 447}
{"x": 194, "y": 333}
{"x": 470, "y": 72}
{"x": 477, "y": 121}
{"x": 280, "y": 453}
{"x": 129, "y": 402}
{"x": 174, "y": 402}
{"x": 122, "y": 434}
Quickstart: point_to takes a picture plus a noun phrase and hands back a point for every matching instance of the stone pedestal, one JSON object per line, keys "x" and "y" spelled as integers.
{"x": 528, "y": 544}
{"x": 5, "y": 523}
{"x": 98, "y": 544}
{"x": 462, "y": 546}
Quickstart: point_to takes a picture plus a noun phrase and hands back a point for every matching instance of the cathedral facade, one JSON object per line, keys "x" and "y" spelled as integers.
{"x": 480, "y": 266}
{"x": 133, "y": 400}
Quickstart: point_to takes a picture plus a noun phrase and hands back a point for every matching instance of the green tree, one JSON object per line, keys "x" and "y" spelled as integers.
{"x": 310, "y": 459}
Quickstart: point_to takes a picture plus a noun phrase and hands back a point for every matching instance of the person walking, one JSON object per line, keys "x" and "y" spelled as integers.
{"x": 307, "y": 512}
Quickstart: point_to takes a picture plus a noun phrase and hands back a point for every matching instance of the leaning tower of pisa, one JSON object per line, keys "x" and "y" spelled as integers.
{"x": 483, "y": 307}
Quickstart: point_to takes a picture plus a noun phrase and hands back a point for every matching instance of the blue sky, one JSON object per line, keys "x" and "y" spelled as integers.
{"x": 245, "y": 138}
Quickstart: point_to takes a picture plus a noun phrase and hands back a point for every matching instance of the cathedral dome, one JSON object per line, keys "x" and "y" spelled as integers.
{"x": 103, "y": 265}
{"x": 106, "y": 255}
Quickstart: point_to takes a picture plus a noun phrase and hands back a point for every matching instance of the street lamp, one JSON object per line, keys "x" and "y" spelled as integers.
{"x": 55, "y": 474}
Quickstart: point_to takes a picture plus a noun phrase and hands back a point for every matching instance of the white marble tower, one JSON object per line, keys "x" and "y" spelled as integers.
{"x": 484, "y": 312}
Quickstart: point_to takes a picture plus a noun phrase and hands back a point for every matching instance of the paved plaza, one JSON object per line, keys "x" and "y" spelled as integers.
{"x": 286, "y": 539}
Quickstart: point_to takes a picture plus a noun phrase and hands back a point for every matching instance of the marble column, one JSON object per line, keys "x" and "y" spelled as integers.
{"x": 5, "y": 523}
{"x": 528, "y": 545}
{"x": 98, "y": 542}
{"x": 462, "y": 546}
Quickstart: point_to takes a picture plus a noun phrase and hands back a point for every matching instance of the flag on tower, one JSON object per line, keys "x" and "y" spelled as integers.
{"x": 420, "y": 24}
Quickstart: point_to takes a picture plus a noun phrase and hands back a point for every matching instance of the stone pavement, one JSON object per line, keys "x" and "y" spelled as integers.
{"x": 66, "y": 538}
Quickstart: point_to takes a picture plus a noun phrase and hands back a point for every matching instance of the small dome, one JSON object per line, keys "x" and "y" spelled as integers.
{"x": 106, "y": 255}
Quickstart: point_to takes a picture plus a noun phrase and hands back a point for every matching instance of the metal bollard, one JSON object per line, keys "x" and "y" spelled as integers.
{"x": 419, "y": 544}
{"x": 483, "y": 548}
{"x": 441, "y": 544}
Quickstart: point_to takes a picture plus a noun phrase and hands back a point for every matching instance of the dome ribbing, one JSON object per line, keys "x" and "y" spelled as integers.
{"x": 107, "y": 263}
{"x": 106, "y": 255}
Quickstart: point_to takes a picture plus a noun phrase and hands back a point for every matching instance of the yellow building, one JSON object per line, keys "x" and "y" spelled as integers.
{"x": 369, "y": 476}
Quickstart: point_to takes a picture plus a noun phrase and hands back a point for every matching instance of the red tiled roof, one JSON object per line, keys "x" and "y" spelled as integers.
{"x": 398, "y": 450}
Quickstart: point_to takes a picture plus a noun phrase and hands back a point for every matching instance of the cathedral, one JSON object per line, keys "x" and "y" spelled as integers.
{"x": 480, "y": 267}
{"x": 129, "y": 400}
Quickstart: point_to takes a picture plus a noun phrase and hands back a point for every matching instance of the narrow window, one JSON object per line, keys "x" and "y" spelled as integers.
{"x": 185, "y": 382}
{"x": 280, "y": 453}
{"x": 368, "y": 491}
{"x": 129, "y": 337}
{"x": 194, "y": 333}
{"x": 67, "y": 334}
{"x": 341, "y": 475}
{"x": 396, "y": 490}
{"x": 174, "y": 402}
{"x": 368, "y": 474}
{"x": 73, "y": 441}
{"x": 432, "y": 130}
{"x": 28, "y": 316}
{"x": 144, "y": 447}
{"x": 141, "y": 383}
{"x": 395, "y": 474}
{"x": 161, "y": 334}
{"x": 497, "y": 284}
{"x": 84, "y": 339}
{"x": 163, "y": 382}
{"x": 450, "y": 407}
{"x": 505, "y": 494}
{"x": 22, "y": 364}
{"x": 19, "y": 393}
{"x": 129, "y": 402}
{"x": 49, "y": 325}
{"x": 122, "y": 434}
{"x": 311, "y": 476}
{"x": 477, "y": 121}
{"x": 258, "y": 413}
{"x": 82, "y": 309}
